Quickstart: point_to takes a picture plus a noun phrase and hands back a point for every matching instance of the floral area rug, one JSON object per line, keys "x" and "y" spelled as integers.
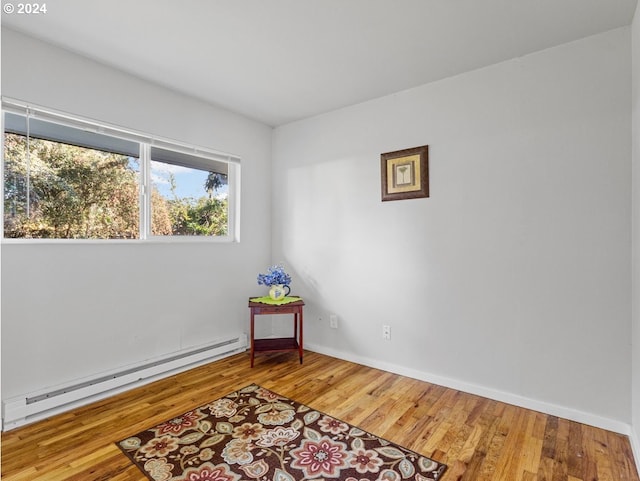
{"x": 255, "y": 434}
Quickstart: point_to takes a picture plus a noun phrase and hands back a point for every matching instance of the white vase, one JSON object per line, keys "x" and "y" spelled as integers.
{"x": 278, "y": 291}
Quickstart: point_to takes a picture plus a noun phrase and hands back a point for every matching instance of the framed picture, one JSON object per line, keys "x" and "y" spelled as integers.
{"x": 405, "y": 173}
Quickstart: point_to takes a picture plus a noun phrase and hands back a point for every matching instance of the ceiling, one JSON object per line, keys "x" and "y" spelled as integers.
{"x": 277, "y": 61}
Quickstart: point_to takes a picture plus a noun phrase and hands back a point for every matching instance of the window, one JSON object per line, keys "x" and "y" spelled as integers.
{"x": 65, "y": 178}
{"x": 189, "y": 195}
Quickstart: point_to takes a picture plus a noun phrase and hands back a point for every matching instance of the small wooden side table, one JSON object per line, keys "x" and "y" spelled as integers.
{"x": 281, "y": 343}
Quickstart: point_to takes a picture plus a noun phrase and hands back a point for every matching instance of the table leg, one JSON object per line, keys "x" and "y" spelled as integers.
{"x": 300, "y": 349}
{"x": 252, "y": 336}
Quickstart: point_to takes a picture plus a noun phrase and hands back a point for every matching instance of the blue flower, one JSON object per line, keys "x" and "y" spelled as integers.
{"x": 274, "y": 275}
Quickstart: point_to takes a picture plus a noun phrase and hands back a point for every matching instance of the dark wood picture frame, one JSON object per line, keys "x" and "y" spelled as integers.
{"x": 405, "y": 173}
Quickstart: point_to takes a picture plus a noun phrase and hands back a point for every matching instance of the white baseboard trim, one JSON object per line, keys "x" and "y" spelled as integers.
{"x": 497, "y": 395}
{"x": 634, "y": 438}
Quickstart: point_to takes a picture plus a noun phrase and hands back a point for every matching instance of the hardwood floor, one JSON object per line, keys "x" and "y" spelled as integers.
{"x": 478, "y": 438}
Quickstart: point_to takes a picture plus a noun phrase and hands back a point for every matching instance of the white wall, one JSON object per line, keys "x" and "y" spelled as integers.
{"x": 635, "y": 395}
{"x": 70, "y": 311}
{"x": 513, "y": 278}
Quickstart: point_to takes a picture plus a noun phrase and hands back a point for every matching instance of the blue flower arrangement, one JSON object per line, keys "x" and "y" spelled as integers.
{"x": 275, "y": 275}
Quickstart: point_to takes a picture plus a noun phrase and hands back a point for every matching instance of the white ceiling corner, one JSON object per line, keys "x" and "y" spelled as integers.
{"x": 277, "y": 61}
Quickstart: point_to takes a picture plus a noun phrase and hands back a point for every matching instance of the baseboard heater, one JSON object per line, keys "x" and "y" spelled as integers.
{"x": 35, "y": 406}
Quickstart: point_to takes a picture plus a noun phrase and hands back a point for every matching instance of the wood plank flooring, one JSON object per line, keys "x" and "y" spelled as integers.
{"x": 478, "y": 438}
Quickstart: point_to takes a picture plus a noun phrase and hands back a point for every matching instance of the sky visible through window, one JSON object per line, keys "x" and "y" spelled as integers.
{"x": 188, "y": 182}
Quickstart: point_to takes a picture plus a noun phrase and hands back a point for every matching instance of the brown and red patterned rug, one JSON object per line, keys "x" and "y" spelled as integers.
{"x": 256, "y": 434}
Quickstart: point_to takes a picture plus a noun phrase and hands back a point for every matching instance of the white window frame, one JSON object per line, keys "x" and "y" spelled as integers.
{"x": 146, "y": 142}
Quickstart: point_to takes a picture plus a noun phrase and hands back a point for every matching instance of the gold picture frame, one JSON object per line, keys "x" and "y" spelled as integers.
{"x": 405, "y": 173}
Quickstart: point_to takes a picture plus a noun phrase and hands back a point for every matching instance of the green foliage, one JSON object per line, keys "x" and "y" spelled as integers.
{"x": 73, "y": 192}
{"x": 203, "y": 216}
{"x": 64, "y": 191}
{"x": 214, "y": 181}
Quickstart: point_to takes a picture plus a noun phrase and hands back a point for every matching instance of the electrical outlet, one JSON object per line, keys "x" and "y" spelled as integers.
{"x": 333, "y": 321}
{"x": 386, "y": 333}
